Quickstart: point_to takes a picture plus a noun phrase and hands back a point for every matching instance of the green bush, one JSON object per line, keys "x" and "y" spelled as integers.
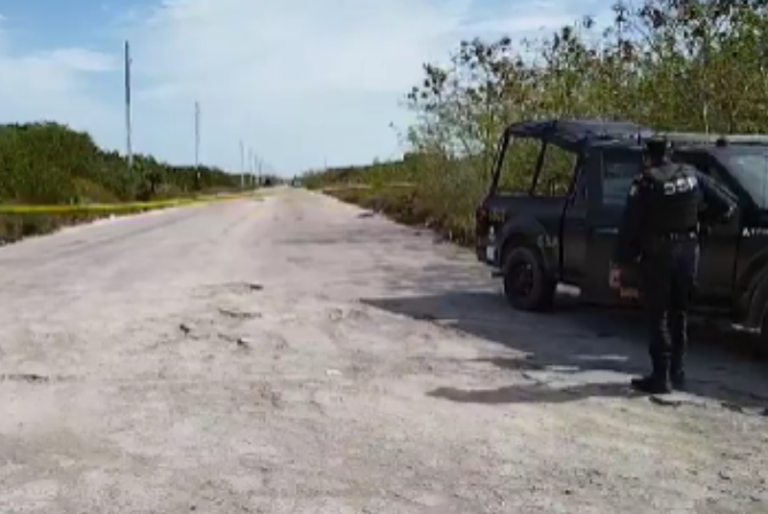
{"x": 698, "y": 65}
{"x": 48, "y": 163}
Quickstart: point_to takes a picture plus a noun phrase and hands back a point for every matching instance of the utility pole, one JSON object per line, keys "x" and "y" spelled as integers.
{"x": 197, "y": 143}
{"x": 128, "y": 143}
{"x": 243, "y": 170}
{"x": 242, "y": 162}
{"x": 249, "y": 161}
{"x": 197, "y": 134}
{"x": 252, "y": 164}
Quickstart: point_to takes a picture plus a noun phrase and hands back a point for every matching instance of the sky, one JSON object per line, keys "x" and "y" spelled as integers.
{"x": 302, "y": 83}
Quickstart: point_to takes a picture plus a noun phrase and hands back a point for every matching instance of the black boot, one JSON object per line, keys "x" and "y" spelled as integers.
{"x": 677, "y": 370}
{"x": 679, "y": 336}
{"x": 677, "y": 378}
{"x": 652, "y": 384}
{"x": 657, "y": 382}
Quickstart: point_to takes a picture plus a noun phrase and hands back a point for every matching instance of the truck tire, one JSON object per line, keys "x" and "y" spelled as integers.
{"x": 762, "y": 342}
{"x": 526, "y": 284}
{"x": 758, "y": 308}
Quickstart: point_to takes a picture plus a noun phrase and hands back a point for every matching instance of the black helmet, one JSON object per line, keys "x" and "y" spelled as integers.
{"x": 657, "y": 148}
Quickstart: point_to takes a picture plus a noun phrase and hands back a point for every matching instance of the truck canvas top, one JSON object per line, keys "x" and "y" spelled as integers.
{"x": 572, "y": 134}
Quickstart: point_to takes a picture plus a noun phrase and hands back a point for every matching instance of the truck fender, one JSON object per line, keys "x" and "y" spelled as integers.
{"x": 753, "y": 272}
{"x": 532, "y": 234}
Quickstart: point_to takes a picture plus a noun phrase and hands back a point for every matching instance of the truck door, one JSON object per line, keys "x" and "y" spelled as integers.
{"x": 717, "y": 257}
{"x": 574, "y": 229}
{"x": 613, "y": 170}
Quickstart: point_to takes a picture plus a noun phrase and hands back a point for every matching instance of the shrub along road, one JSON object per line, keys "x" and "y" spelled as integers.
{"x": 297, "y": 354}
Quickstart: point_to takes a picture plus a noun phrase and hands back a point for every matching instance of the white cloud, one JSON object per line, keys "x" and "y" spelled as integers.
{"x": 51, "y": 85}
{"x": 81, "y": 59}
{"x": 300, "y": 81}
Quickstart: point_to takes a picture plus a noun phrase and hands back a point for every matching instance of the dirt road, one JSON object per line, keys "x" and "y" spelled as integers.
{"x": 297, "y": 355}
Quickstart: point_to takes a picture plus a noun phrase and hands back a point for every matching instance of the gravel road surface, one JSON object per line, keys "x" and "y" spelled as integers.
{"x": 299, "y": 355}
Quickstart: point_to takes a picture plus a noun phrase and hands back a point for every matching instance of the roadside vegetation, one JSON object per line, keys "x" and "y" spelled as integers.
{"x": 47, "y": 164}
{"x": 686, "y": 65}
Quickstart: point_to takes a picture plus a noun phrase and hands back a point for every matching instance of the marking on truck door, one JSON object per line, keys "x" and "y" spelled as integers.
{"x": 754, "y": 231}
{"x": 547, "y": 241}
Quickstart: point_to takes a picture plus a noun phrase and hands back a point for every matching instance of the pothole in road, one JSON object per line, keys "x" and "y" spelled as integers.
{"x": 347, "y": 313}
{"x": 265, "y": 393}
{"x": 232, "y": 287}
{"x": 24, "y": 377}
{"x": 275, "y": 342}
{"x": 238, "y": 314}
{"x": 32, "y": 378}
{"x": 246, "y": 287}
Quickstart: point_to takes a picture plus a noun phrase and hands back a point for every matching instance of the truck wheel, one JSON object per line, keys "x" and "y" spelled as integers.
{"x": 763, "y": 338}
{"x": 526, "y": 285}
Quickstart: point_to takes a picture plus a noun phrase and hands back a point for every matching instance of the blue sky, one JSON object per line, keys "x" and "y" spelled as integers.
{"x": 301, "y": 82}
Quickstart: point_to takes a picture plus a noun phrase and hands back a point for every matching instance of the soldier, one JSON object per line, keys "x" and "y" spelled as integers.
{"x": 659, "y": 234}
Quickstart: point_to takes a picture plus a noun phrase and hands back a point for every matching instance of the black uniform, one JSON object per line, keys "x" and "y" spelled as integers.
{"x": 659, "y": 234}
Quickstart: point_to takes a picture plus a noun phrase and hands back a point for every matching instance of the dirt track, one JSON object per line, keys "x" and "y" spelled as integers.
{"x": 297, "y": 355}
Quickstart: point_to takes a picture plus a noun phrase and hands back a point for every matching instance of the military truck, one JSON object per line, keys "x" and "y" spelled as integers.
{"x": 563, "y": 230}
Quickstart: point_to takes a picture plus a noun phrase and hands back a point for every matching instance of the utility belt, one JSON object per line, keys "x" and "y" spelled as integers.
{"x": 661, "y": 241}
{"x": 683, "y": 235}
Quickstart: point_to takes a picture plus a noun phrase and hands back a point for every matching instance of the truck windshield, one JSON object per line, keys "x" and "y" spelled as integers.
{"x": 750, "y": 168}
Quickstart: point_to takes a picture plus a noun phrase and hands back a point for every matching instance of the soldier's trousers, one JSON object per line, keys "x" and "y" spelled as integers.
{"x": 669, "y": 278}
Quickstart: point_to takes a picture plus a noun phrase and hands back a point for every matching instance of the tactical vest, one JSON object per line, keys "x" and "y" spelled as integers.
{"x": 674, "y": 198}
